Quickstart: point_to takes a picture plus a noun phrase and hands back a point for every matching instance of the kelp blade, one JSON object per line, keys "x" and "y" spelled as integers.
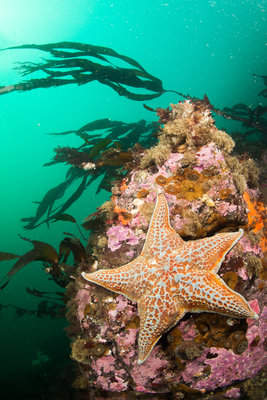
{"x": 68, "y": 67}
{"x": 41, "y": 252}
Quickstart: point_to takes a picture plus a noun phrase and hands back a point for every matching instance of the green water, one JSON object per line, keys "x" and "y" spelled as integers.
{"x": 193, "y": 46}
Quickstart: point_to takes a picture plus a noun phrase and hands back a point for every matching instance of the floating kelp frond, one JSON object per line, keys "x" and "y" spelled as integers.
{"x": 69, "y": 155}
{"x": 250, "y": 117}
{"x": 74, "y": 246}
{"x": 69, "y": 66}
{"x": 41, "y": 252}
{"x": 69, "y": 218}
{"x": 7, "y": 256}
{"x": 263, "y": 93}
{"x": 47, "y": 203}
{"x": 141, "y": 132}
{"x": 54, "y": 263}
{"x": 105, "y": 153}
{"x": 46, "y": 308}
{"x": 46, "y": 295}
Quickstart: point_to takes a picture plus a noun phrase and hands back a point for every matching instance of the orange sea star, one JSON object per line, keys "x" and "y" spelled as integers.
{"x": 172, "y": 277}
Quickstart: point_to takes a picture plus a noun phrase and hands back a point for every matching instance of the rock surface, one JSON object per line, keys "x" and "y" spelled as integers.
{"x": 208, "y": 191}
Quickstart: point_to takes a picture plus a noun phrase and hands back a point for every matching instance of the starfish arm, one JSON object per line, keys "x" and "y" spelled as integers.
{"x": 156, "y": 318}
{"x": 161, "y": 237}
{"x": 206, "y": 291}
{"x": 209, "y": 253}
{"x": 127, "y": 280}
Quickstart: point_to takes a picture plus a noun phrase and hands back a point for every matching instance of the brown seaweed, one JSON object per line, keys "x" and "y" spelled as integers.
{"x": 69, "y": 218}
{"x": 76, "y": 67}
{"x": 54, "y": 263}
{"x": 48, "y": 202}
{"x": 263, "y": 93}
{"x": 7, "y": 256}
{"x": 46, "y": 295}
{"x": 46, "y": 308}
{"x": 74, "y": 246}
{"x": 41, "y": 252}
{"x": 109, "y": 151}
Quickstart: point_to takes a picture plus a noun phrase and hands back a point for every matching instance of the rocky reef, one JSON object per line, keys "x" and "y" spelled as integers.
{"x": 208, "y": 190}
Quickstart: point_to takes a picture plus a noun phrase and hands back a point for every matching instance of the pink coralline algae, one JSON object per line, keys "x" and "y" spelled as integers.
{"x": 171, "y": 164}
{"x": 208, "y": 156}
{"x": 119, "y": 234}
{"x": 227, "y": 367}
{"x": 233, "y": 393}
{"x": 199, "y": 354}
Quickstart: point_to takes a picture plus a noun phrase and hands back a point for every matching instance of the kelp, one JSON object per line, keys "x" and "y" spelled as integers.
{"x": 69, "y": 218}
{"x": 47, "y": 295}
{"x": 41, "y": 252}
{"x": 75, "y": 63}
{"x": 94, "y": 221}
{"x": 7, "y": 256}
{"x": 110, "y": 131}
{"x": 45, "y": 309}
{"x": 52, "y": 305}
{"x": 104, "y": 154}
{"x": 47, "y": 203}
{"x": 250, "y": 117}
{"x": 54, "y": 262}
{"x": 106, "y": 146}
{"x": 50, "y": 309}
{"x": 263, "y": 93}
{"x": 74, "y": 246}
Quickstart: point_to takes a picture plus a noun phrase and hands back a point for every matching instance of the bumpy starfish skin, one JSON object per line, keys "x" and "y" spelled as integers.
{"x": 172, "y": 277}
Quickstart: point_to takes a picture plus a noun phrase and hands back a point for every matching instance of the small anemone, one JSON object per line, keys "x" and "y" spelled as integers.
{"x": 142, "y": 193}
{"x": 231, "y": 279}
{"x": 99, "y": 349}
{"x": 192, "y": 175}
{"x": 172, "y": 188}
{"x": 191, "y": 190}
{"x": 161, "y": 180}
{"x": 224, "y": 193}
{"x": 89, "y": 309}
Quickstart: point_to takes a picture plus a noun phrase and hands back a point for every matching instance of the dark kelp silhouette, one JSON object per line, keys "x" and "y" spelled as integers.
{"x": 105, "y": 153}
{"x": 72, "y": 63}
{"x": 263, "y": 93}
{"x": 102, "y": 154}
{"x": 46, "y": 308}
{"x": 69, "y": 218}
{"x": 253, "y": 140}
{"x": 54, "y": 262}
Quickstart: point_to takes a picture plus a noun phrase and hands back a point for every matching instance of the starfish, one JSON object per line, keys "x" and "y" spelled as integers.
{"x": 171, "y": 277}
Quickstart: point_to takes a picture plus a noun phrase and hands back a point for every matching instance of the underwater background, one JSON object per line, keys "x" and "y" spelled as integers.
{"x": 194, "y": 47}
